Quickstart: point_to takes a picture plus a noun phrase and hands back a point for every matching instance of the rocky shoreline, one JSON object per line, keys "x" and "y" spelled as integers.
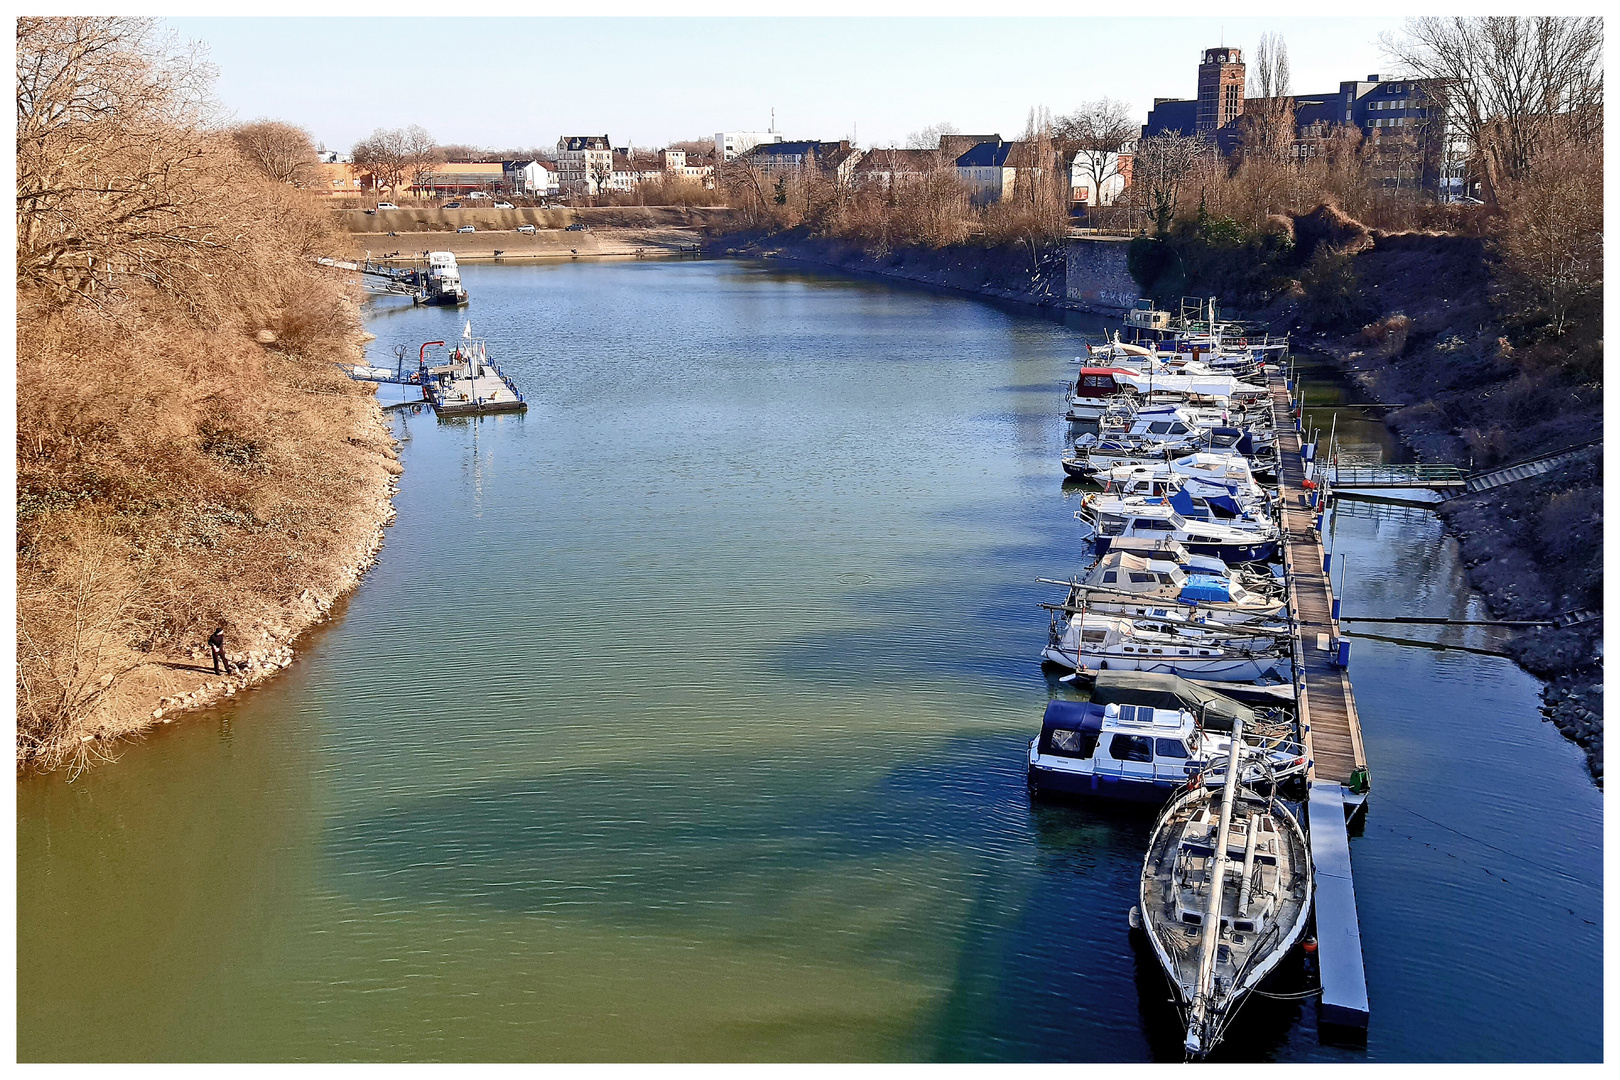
{"x": 1532, "y": 548}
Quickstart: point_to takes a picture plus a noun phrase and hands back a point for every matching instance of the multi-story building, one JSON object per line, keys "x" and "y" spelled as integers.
{"x": 730, "y": 145}
{"x": 835, "y": 159}
{"x": 1401, "y": 119}
{"x": 339, "y": 178}
{"x": 584, "y": 164}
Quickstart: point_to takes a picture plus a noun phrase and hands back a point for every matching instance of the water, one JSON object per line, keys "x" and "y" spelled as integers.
{"x": 683, "y": 718}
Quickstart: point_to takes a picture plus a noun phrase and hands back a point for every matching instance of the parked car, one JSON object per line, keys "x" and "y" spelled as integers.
{"x": 525, "y": 228}
{"x": 386, "y": 206}
{"x": 451, "y": 206}
{"x": 504, "y": 206}
{"x": 466, "y": 228}
{"x": 578, "y": 226}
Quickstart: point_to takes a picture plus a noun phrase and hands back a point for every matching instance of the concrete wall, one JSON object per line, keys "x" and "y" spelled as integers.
{"x": 1095, "y": 278}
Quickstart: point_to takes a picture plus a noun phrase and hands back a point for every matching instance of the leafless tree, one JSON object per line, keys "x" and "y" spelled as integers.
{"x": 384, "y": 155}
{"x": 281, "y": 151}
{"x": 928, "y": 138}
{"x": 110, "y": 137}
{"x": 1093, "y": 138}
{"x": 1161, "y": 166}
{"x": 421, "y": 154}
{"x": 600, "y": 175}
{"x": 1269, "y": 111}
{"x": 1510, "y": 83}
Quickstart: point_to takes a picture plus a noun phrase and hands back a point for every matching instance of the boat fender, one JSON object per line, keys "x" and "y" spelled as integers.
{"x": 1136, "y": 917}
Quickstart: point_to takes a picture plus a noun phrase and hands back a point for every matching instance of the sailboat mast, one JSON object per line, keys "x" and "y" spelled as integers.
{"x": 1210, "y": 942}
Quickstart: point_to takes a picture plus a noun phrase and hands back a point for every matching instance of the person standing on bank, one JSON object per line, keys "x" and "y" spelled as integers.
{"x": 216, "y": 646}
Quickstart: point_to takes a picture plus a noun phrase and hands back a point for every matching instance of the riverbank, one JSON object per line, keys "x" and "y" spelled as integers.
{"x": 604, "y": 241}
{"x": 1002, "y": 273}
{"x": 1534, "y": 548}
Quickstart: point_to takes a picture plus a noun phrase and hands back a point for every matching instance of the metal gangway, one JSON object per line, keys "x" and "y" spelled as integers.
{"x": 1344, "y": 475}
{"x": 376, "y": 277}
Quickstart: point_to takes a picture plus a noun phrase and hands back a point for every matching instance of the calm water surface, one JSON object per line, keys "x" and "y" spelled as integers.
{"x": 683, "y": 717}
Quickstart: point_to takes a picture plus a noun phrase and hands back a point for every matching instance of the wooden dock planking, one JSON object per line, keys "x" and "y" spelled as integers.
{"x": 1327, "y": 705}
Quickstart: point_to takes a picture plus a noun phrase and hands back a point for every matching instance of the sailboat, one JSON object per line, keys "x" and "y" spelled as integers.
{"x": 1225, "y": 893}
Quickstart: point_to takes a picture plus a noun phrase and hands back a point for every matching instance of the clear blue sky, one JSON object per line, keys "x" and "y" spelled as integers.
{"x": 501, "y": 82}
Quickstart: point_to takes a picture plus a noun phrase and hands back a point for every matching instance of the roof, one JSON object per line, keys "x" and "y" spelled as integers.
{"x": 897, "y": 160}
{"x": 956, "y": 144}
{"x": 1175, "y": 116}
{"x": 1169, "y": 692}
{"x": 986, "y": 155}
{"x": 586, "y": 142}
{"x": 468, "y": 168}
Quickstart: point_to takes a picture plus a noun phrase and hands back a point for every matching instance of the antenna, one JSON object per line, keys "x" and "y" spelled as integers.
{"x": 773, "y": 120}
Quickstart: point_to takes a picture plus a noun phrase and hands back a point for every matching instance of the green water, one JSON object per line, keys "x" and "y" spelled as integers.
{"x": 683, "y": 718}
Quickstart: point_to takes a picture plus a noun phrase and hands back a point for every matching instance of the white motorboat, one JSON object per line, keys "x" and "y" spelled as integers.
{"x": 1140, "y": 753}
{"x": 1088, "y": 642}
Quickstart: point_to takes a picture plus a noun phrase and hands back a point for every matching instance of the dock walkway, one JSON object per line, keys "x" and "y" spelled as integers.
{"x": 1327, "y": 705}
{"x": 1329, "y": 723}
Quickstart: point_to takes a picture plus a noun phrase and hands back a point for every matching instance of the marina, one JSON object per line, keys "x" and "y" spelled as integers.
{"x": 570, "y": 820}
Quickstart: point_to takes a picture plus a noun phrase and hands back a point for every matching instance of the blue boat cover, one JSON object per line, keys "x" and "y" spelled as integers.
{"x": 1225, "y": 504}
{"x": 1073, "y": 715}
{"x": 1203, "y": 588}
{"x": 1182, "y": 502}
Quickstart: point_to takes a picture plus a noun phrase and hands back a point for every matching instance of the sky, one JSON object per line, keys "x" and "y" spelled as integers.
{"x": 522, "y": 82}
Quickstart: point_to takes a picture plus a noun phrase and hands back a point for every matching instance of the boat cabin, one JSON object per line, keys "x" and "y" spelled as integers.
{"x": 1100, "y": 382}
{"x": 1125, "y": 751}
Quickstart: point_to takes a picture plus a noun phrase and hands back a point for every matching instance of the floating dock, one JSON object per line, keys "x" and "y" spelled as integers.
{"x": 1329, "y": 723}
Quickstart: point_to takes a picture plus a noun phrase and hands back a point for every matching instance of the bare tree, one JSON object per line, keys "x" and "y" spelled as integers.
{"x": 421, "y": 154}
{"x": 1093, "y": 138}
{"x": 1506, "y": 81}
{"x": 109, "y": 140}
{"x": 385, "y": 156}
{"x": 282, "y": 152}
{"x": 929, "y": 137}
{"x": 1162, "y": 164}
{"x": 1550, "y": 238}
{"x": 600, "y": 175}
{"x": 1268, "y": 111}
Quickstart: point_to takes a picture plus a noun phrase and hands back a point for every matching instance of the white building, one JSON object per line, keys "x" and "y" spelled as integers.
{"x": 728, "y": 145}
{"x": 584, "y": 163}
{"x": 1116, "y": 170}
{"x": 537, "y": 179}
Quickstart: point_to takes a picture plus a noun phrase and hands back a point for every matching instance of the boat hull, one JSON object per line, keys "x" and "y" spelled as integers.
{"x": 1212, "y": 669}
{"x": 1258, "y": 551}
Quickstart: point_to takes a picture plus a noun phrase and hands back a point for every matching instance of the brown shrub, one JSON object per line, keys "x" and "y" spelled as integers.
{"x": 171, "y": 467}
{"x": 1387, "y": 336}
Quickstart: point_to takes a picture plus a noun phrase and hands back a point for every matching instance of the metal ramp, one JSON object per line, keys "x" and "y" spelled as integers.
{"x": 1338, "y": 931}
{"x": 1524, "y": 470}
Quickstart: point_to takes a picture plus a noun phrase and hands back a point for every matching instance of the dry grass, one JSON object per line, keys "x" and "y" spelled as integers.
{"x": 186, "y": 449}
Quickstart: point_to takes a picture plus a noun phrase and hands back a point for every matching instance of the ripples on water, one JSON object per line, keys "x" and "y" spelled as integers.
{"x": 683, "y": 717}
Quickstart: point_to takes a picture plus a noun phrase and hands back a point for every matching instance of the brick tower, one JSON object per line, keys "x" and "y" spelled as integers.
{"x": 1220, "y": 89}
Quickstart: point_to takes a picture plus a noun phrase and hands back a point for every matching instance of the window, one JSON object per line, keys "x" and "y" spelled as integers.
{"x": 1145, "y": 578}
{"x": 1131, "y": 748}
{"x": 1066, "y": 743}
{"x": 1110, "y": 578}
{"x": 1094, "y": 637}
{"x": 1161, "y": 427}
{"x": 1170, "y": 748}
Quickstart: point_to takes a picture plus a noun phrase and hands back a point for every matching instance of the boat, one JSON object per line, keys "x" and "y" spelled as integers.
{"x": 1124, "y": 584}
{"x": 1202, "y": 474}
{"x": 1086, "y": 642}
{"x": 1225, "y": 894}
{"x": 440, "y": 284}
{"x": 470, "y": 383}
{"x": 1140, "y": 753}
{"x": 1231, "y": 541}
